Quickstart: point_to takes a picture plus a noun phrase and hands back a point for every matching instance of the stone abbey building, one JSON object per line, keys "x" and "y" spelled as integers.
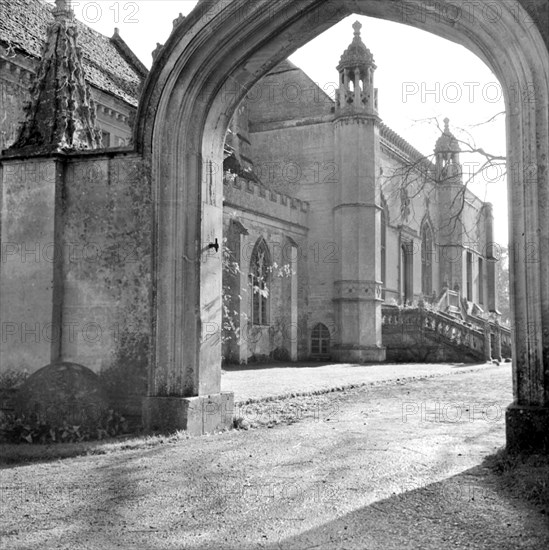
{"x": 281, "y": 222}
{"x": 321, "y": 185}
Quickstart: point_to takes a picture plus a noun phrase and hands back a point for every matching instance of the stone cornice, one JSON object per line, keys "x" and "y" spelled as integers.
{"x": 358, "y": 205}
{"x": 353, "y": 118}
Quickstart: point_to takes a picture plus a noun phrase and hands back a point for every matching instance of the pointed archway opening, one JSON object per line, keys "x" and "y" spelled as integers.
{"x": 203, "y": 72}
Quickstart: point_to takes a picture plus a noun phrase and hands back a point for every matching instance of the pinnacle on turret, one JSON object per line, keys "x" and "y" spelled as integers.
{"x": 447, "y": 142}
{"x": 356, "y": 78}
{"x": 61, "y": 115}
{"x": 447, "y": 149}
{"x": 62, "y": 8}
{"x": 357, "y": 54}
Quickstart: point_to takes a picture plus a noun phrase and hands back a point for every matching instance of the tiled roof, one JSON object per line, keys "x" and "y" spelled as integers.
{"x": 23, "y": 25}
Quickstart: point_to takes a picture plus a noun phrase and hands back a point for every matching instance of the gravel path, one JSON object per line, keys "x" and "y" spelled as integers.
{"x": 396, "y": 467}
{"x": 257, "y": 382}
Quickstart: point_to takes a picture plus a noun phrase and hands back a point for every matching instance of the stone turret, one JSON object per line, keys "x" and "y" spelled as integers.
{"x": 447, "y": 150}
{"x": 357, "y": 209}
{"x": 449, "y": 193}
{"x": 61, "y": 115}
{"x": 356, "y": 77}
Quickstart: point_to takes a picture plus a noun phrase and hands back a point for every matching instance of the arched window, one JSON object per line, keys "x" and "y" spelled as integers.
{"x": 427, "y": 253}
{"x": 407, "y": 272}
{"x": 481, "y": 281}
{"x": 320, "y": 340}
{"x": 383, "y": 251}
{"x": 260, "y": 265}
{"x": 469, "y": 287}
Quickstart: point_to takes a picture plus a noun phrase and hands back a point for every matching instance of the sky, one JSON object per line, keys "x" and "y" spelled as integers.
{"x": 421, "y": 79}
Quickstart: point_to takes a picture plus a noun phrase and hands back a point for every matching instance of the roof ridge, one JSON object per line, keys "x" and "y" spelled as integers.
{"x": 405, "y": 146}
{"x": 128, "y": 54}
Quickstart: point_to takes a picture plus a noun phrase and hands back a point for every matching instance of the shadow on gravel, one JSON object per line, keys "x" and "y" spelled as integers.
{"x": 473, "y": 510}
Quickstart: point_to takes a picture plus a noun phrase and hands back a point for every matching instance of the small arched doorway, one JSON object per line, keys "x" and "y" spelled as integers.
{"x": 320, "y": 343}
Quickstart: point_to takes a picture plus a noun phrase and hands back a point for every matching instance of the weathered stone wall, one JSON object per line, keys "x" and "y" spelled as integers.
{"x": 75, "y": 275}
{"x": 29, "y": 194}
{"x": 107, "y": 281}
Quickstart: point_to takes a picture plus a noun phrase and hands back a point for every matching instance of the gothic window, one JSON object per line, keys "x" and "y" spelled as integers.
{"x": 427, "y": 252}
{"x": 320, "y": 340}
{"x": 469, "y": 276}
{"x": 407, "y": 272}
{"x": 384, "y": 251}
{"x": 259, "y": 281}
{"x": 480, "y": 281}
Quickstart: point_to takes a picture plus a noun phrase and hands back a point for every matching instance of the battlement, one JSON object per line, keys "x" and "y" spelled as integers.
{"x": 247, "y": 195}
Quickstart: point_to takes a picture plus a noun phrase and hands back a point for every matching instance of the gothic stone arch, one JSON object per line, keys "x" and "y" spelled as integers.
{"x": 204, "y": 70}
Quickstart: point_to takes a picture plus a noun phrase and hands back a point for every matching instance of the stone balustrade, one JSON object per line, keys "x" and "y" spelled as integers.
{"x": 436, "y": 333}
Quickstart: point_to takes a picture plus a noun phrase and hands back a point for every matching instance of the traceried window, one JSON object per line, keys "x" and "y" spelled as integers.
{"x": 260, "y": 266}
{"x": 407, "y": 272}
{"x": 469, "y": 263}
{"x": 320, "y": 340}
{"x": 481, "y": 281}
{"x": 384, "y": 250}
{"x": 427, "y": 253}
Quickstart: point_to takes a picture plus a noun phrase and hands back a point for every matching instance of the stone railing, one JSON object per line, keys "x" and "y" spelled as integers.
{"x": 500, "y": 336}
{"x": 430, "y": 331}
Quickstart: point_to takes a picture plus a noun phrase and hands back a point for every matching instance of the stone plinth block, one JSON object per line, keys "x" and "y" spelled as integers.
{"x": 527, "y": 429}
{"x": 196, "y": 415}
{"x": 359, "y": 355}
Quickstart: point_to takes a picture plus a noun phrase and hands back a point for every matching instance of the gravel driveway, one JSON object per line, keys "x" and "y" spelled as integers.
{"x": 398, "y": 466}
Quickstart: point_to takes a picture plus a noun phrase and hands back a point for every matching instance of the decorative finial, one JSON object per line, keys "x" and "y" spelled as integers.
{"x": 62, "y": 9}
{"x": 177, "y": 21}
{"x": 446, "y": 124}
{"x": 157, "y": 50}
{"x": 357, "y": 25}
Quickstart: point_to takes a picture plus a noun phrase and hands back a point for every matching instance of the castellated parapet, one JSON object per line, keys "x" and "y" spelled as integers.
{"x": 249, "y": 196}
